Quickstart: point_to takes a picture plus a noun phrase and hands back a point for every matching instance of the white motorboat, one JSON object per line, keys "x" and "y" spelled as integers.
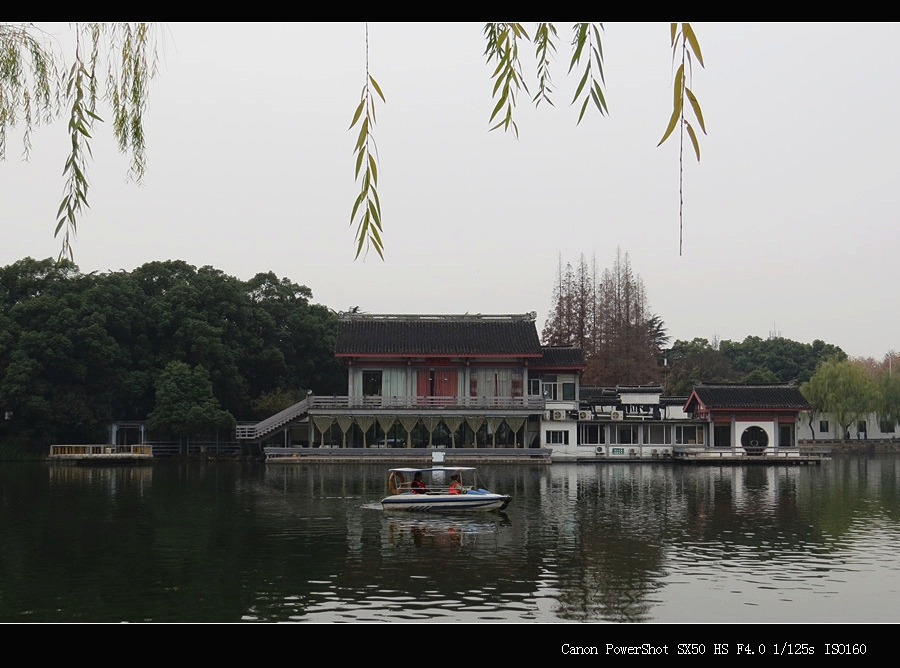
{"x": 447, "y": 489}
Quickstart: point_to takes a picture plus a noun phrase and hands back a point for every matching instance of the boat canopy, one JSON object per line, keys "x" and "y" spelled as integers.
{"x": 448, "y": 469}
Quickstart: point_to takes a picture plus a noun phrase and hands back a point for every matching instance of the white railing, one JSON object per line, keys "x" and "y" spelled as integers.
{"x": 442, "y": 403}
{"x": 254, "y": 431}
{"x": 270, "y": 424}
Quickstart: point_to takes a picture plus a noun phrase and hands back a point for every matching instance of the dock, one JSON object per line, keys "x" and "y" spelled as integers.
{"x": 276, "y": 455}
{"x": 720, "y": 456}
{"x": 100, "y": 453}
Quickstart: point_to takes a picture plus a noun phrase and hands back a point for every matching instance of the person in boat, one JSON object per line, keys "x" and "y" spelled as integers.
{"x": 455, "y": 485}
{"x": 417, "y": 486}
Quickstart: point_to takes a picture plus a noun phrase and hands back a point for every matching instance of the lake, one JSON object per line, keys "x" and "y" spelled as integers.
{"x": 632, "y": 543}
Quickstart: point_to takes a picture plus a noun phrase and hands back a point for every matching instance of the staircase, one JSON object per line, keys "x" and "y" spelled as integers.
{"x": 252, "y": 432}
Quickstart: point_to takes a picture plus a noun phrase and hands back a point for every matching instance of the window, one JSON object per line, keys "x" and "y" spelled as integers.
{"x": 785, "y": 436}
{"x": 688, "y": 435}
{"x": 861, "y": 426}
{"x": 722, "y": 435}
{"x": 591, "y": 434}
{"x": 886, "y": 427}
{"x": 557, "y": 437}
{"x": 627, "y": 434}
{"x": 656, "y": 434}
{"x": 534, "y": 387}
{"x": 371, "y": 383}
{"x": 823, "y": 426}
{"x": 568, "y": 391}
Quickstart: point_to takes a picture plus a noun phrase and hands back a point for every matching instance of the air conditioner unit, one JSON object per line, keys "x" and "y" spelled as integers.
{"x": 548, "y": 415}
{"x": 632, "y": 452}
{"x": 600, "y": 450}
{"x": 616, "y": 415}
{"x": 559, "y": 415}
{"x": 654, "y": 453}
{"x": 584, "y": 415}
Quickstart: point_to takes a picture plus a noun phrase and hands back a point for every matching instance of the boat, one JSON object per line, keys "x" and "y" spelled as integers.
{"x": 448, "y": 489}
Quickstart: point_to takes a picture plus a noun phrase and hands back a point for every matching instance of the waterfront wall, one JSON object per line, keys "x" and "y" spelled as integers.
{"x": 855, "y": 446}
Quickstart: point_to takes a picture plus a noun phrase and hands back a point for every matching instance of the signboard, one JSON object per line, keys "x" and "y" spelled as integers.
{"x": 618, "y": 451}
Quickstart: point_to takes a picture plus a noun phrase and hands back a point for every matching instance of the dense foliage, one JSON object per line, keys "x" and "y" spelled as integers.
{"x": 753, "y": 360}
{"x": 79, "y": 350}
{"x": 849, "y": 390}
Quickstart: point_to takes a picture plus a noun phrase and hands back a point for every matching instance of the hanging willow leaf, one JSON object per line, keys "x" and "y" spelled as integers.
{"x": 695, "y": 105}
{"x": 692, "y": 41}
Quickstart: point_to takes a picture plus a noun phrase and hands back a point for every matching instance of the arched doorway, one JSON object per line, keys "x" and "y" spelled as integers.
{"x": 754, "y": 440}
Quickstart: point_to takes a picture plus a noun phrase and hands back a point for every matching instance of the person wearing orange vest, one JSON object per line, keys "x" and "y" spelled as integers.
{"x": 455, "y": 485}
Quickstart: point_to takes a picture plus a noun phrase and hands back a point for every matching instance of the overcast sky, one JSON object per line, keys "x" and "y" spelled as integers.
{"x": 790, "y": 219}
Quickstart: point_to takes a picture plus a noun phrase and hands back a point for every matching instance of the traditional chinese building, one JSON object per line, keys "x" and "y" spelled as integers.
{"x": 752, "y": 419}
{"x": 441, "y": 381}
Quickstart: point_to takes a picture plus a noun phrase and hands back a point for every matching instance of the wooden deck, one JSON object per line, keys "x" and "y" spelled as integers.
{"x": 720, "y": 456}
{"x": 409, "y": 455}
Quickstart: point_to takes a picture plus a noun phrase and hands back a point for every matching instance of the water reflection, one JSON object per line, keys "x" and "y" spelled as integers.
{"x": 581, "y": 543}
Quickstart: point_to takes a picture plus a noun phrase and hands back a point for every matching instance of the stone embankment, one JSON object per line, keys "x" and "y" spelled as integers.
{"x": 857, "y": 446}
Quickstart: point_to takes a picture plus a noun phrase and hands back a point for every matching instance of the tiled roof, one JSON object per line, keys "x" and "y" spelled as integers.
{"x": 437, "y": 335}
{"x": 560, "y": 357}
{"x": 750, "y": 396}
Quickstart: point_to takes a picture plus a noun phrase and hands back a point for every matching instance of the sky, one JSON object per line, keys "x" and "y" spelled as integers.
{"x": 790, "y": 219}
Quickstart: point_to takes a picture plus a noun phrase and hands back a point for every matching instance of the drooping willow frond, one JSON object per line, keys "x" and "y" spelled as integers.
{"x": 544, "y": 52}
{"x": 684, "y": 40}
{"x": 367, "y": 205}
{"x": 29, "y": 85}
{"x": 586, "y": 43}
{"x": 503, "y": 47}
{"x": 38, "y": 83}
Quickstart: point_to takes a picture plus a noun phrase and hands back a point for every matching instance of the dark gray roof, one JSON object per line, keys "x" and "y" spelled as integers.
{"x": 438, "y": 335}
{"x": 560, "y": 357}
{"x": 749, "y": 396}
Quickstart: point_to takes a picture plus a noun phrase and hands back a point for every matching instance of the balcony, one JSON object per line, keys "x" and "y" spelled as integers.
{"x": 529, "y": 404}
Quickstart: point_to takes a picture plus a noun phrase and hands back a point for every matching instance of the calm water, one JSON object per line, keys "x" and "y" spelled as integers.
{"x": 226, "y": 542}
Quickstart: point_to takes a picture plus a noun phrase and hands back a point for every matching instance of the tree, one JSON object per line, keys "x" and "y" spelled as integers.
{"x": 609, "y": 320}
{"x": 841, "y": 389}
{"x": 693, "y": 362}
{"x": 777, "y": 358}
{"x": 185, "y": 405}
{"x": 77, "y": 351}
{"x": 39, "y": 83}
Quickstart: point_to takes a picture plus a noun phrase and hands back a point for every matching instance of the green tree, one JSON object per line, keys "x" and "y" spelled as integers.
{"x": 784, "y": 360}
{"x": 77, "y": 351}
{"x": 841, "y": 389}
{"x": 692, "y": 362}
{"x": 185, "y": 405}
